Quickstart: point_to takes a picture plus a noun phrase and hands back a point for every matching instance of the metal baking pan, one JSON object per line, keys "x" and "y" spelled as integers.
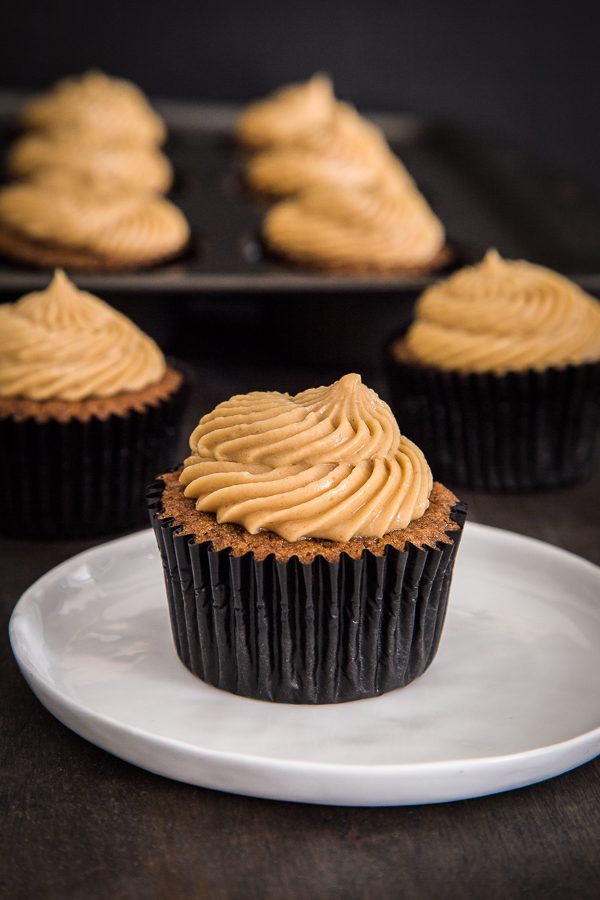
{"x": 486, "y": 193}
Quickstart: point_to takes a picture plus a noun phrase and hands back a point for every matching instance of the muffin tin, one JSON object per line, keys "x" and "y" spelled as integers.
{"x": 486, "y": 193}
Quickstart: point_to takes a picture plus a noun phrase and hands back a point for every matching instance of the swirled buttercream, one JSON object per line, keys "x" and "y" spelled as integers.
{"x": 288, "y": 114}
{"x": 133, "y": 165}
{"x": 124, "y": 226}
{"x": 66, "y": 344}
{"x": 349, "y": 151}
{"x": 503, "y": 315}
{"x": 96, "y": 107}
{"x": 389, "y": 226}
{"x": 329, "y": 462}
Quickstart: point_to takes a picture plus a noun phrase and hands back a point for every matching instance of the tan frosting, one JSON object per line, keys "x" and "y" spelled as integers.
{"x": 349, "y": 151}
{"x": 122, "y": 225}
{"x": 384, "y": 228}
{"x": 329, "y": 462}
{"x": 133, "y": 165}
{"x": 288, "y": 114}
{"x": 66, "y": 344}
{"x": 505, "y": 315}
{"x": 98, "y": 106}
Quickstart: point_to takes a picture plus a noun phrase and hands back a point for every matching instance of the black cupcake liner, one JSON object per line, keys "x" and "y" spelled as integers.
{"x": 85, "y": 478}
{"x": 521, "y": 431}
{"x": 292, "y": 632}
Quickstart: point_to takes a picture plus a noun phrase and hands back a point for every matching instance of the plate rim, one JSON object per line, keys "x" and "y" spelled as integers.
{"x": 585, "y": 741}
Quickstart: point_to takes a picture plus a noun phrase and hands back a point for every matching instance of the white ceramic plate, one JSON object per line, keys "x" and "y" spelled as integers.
{"x": 512, "y": 697}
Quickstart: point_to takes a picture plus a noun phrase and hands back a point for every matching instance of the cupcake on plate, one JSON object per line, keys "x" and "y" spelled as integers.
{"x": 498, "y": 378}
{"x": 287, "y": 115}
{"x": 58, "y": 220}
{"x": 95, "y": 108}
{"x": 130, "y": 165}
{"x": 89, "y": 412}
{"x": 386, "y": 228}
{"x": 348, "y": 151}
{"x": 307, "y": 553}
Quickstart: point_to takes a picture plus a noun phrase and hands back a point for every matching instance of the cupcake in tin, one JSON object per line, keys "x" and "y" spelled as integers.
{"x": 307, "y": 553}
{"x": 498, "y": 377}
{"x": 89, "y": 412}
{"x": 59, "y": 220}
{"x": 94, "y": 107}
{"x": 348, "y": 150}
{"x": 287, "y": 115}
{"x": 387, "y": 227}
{"x": 130, "y": 165}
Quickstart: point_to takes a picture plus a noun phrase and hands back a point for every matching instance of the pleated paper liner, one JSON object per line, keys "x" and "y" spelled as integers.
{"x": 292, "y": 632}
{"x": 521, "y": 431}
{"x": 85, "y": 478}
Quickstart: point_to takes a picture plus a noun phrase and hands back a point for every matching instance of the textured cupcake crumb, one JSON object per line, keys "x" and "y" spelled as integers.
{"x": 426, "y": 531}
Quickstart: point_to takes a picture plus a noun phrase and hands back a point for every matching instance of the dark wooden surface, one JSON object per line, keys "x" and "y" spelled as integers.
{"x": 77, "y": 822}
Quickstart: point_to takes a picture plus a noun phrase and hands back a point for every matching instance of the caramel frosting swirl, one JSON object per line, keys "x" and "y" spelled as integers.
{"x": 129, "y": 227}
{"x": 133, "y": 165}
{"x": 66, "y": 344}
{"x": 386, "y": 227}
{"x": 288, "y": 114}
{"x": 97, "y": 106}
{"x": 349, "y": 151}
{"x": 329, "y": 462}
{"x": 504, "y": 315}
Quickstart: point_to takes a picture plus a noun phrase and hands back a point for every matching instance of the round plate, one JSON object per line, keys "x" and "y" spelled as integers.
{"x": 512, "y": 697}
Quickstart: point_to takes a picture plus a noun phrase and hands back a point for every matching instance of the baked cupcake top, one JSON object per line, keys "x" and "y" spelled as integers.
{"x": 348, "y": 150}
{"x": 288, "y": 114}
{"x": 503, "y": 315}
{"x": 388, "y": 226}
{"x": 65, "y": 344}
{"x": 95, "y": 107}
{"x": 329, "y": 462}
{"x": 131, "y": 164}
{"x": 101, "y": 219}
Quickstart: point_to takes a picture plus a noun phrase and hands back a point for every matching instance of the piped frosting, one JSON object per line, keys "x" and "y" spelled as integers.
{"x": 95, "y": 107}
{"x": 389, "y": 226}
{"x": 65, "y": 344}
{"x": 503, "y": 315}
{"x": 329, "y": 462}
{"x": 288, "y": 114}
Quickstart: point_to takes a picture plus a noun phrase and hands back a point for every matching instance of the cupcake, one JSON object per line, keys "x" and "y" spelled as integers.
{"x": 287, "y": 115}
{"x": 95, "y": 108}
{"x": 128, "y": 165}
{"x": 498, "y": 378}
{"x": 89, "y": 412}
{"x": 387, "y": 228}
{"x": 62, "y": 221}
{"x": 348, "y": 151}
{"x": 307, "y": 554}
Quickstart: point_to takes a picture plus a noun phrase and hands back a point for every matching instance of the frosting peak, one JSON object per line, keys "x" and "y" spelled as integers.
{"x": 505, "y": 314}
{"x": 98, "y": 107}
{"x": 65, "y": 344}
{"x": 288, "y": 114}
{"x": 329, "y": 462}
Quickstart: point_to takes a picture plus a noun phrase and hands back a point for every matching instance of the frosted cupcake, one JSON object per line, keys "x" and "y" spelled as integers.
{"x": 385, "y": 228}
{"x": 94, "y": 107}
{"x": 498, "y": 378}
{"x": 287, "y": 115}
{"x": 61, "y": 221}
{"x": 89, "y": 412}
{"x": 348, "y": 151}
{"x": 307, "y": 553}
{"x": 130, "y": 165}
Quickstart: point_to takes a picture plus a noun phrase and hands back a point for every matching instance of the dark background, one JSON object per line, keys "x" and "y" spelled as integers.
{"x": 527, "y": 71}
